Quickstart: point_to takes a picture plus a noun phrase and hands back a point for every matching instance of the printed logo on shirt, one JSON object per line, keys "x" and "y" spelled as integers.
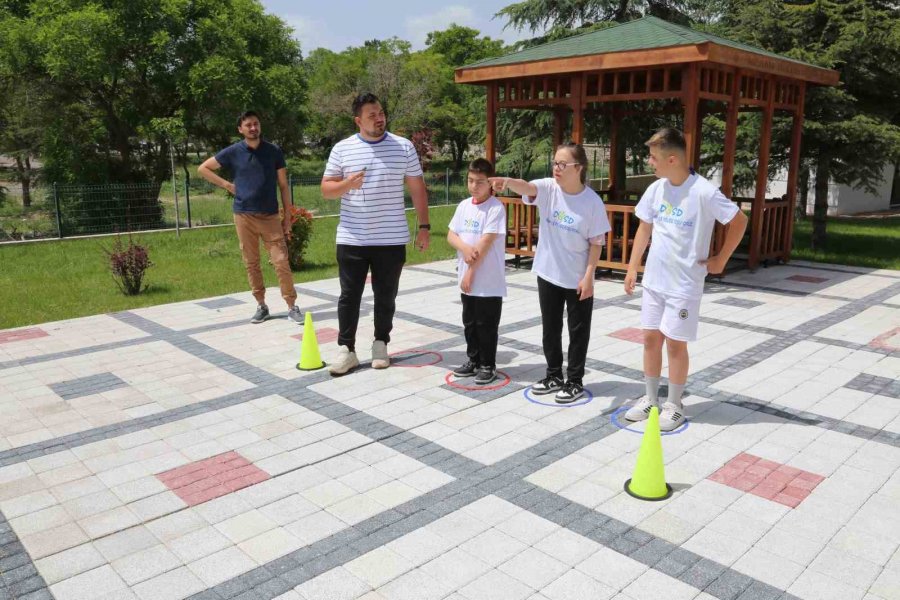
{"x": 563, "y": 221}
{"x": 672, "y": 214}
{"x": 683, "y": 314}
{"x": 471, "y": 224}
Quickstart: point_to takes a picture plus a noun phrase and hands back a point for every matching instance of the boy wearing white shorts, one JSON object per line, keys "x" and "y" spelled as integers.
{"x": 680, "y": 210}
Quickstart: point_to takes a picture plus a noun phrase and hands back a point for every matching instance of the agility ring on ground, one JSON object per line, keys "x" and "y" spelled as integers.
{"x": 405, "y": 356}
{"x": 614, "y": 419}
{"x": 452, "y": 382}
{"x": 588, "y": 396}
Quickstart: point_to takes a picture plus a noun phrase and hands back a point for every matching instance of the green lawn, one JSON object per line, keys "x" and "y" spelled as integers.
{"x": 869, "y": 242}
{"x": 53, "y": 280}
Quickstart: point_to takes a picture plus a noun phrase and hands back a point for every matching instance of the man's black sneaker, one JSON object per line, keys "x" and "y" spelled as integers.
{"x": 468, "y": 369}
{"x": 547, "y": 385}
{"x": 569, "y": 393}
{"x": 485, "y": 375}
{"x": 262, "y": 313}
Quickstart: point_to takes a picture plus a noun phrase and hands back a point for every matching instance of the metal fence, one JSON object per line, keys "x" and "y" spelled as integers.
{"x": 60, "y": 211}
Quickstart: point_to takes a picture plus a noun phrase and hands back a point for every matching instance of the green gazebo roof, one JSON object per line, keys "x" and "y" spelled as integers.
{"x": 645, "y": 33}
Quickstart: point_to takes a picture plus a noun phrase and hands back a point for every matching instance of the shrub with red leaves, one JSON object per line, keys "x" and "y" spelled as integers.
{"x": 128, "y": 265}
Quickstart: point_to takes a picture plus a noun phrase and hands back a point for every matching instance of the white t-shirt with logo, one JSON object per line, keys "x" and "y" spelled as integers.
{"x": 470, "y": 222}
{"x": 375, "y": 214}
{"x": 683, "y": 217}
{"x": 567, "y": 223}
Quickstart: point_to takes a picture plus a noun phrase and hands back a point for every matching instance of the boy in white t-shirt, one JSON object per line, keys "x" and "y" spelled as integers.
{"x": 680, "y": 209}
{"x": 478, "y": 232}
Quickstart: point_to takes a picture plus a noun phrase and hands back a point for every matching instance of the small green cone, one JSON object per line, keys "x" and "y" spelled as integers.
{"x": 310, "y": 360}
{"x": 648, "y": 482}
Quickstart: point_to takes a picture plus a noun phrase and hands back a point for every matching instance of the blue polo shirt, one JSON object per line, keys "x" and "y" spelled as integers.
{"x": 255, "y": 175}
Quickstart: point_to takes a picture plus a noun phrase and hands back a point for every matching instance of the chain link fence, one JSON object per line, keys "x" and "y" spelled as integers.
{"x": 59, "y": 211}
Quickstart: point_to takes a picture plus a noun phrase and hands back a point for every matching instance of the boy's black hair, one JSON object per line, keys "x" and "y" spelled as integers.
{"x": 482, "y": 166}
{"x": 362, "y": 100}
{"x": 246, "y": 115}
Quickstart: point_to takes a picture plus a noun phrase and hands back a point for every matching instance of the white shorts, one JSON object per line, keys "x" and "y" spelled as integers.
{"x": 676, "y": 318}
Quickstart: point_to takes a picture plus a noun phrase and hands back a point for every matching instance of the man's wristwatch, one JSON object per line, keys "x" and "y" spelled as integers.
{"x": 426, "y": 226}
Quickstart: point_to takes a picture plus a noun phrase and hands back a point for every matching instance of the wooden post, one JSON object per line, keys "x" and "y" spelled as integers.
{"x": 794, "y": 172}
{"x": 613, "y": 160}
{"x": 762, "y": 177}
{"x": 559, "y": 126}
{"x": 577, "y": 103}
{"x": 691, "y": 100}
{"x": 731, "y": 121}
{"x": 490, "y": 136}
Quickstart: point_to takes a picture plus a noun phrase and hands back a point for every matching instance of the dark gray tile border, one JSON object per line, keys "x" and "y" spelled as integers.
{"x": 85, "y": 386}
{"x": 738, "y": 302}
{"x": 874, "y": 384}
{"x": 220, "y": 303}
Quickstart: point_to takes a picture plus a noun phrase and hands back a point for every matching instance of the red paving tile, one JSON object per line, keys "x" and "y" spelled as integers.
{"x": 807, "y": 279}
{"x": 20, "y": 335}
{"x": 629, "y": 334}
{"x": 213, "y": 477}
{"x": 323, "y": 335}
{"x": 767, "y": 479}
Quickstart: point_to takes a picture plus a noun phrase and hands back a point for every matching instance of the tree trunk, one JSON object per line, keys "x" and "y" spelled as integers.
{"x": 23, "y": 170}
{"x": 820, "y": 209}
{"x": 803, "y": 200}
{"x": 895, "y": 186}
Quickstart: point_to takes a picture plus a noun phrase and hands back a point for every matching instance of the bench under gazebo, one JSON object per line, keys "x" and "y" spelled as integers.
{"x": 645, "y": 60}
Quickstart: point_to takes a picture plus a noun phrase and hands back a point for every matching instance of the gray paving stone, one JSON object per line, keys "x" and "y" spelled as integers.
{"x": 729, "y": 585}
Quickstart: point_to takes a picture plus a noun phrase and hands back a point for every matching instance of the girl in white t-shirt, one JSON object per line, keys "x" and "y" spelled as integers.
{"x": 478, "y": 232}
{"x": 680, "y": 209}
{"x": 571, "y": 233}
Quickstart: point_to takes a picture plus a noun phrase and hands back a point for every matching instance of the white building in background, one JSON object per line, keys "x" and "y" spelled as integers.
{"x": 842, "y": 199}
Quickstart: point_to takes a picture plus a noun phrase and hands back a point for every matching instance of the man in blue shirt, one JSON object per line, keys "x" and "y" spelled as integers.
{"x": 256, "y": 165}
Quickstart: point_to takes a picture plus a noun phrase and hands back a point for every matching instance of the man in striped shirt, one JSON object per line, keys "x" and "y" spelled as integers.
{"x": 367, "y": 172}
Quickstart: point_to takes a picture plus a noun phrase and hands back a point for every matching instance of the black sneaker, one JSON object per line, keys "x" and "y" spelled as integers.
{"x": 569, "y": 393}
{"x": 547, "y": 385}
{"x": 262, "y": 313}
{"x": 485, "y": 375}
{"x": 468, "y": 369}
{"x": 295, "y": 315}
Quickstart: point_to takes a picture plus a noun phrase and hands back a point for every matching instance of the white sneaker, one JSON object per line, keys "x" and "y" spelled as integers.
{"x": 346, "y": 361}
{"x": 672, "y": 416}
{"x": 641, "y": 410}
{"x": 380, "y": 358}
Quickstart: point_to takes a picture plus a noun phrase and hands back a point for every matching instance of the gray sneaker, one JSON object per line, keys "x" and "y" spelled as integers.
{"x": 261, "y": 314}
{"x": 346, "y": 361}
{"x": 295, "y": 315}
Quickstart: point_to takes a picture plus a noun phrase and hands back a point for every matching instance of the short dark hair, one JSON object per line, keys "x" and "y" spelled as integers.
{"x": 482, "y": 166}
{"x": 580, "y": 156}
{"x": 246, "y": 115}
{"x": 362, "y": 100}
{"x": 667, "y": 139}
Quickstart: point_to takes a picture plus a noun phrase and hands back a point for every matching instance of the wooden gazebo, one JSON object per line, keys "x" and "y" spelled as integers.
{"x": 652, "y": 59}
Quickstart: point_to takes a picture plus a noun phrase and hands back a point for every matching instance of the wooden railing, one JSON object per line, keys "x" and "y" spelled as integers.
{"x": 522, "y": 231}
{"x": 776, "y": 218}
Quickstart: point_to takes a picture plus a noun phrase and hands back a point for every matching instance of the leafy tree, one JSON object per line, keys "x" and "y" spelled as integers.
{"x": 851, "y": 131}
{"x": 109, "y": 69}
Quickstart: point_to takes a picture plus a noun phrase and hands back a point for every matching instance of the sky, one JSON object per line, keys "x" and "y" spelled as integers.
{"x": 337, "y": 24}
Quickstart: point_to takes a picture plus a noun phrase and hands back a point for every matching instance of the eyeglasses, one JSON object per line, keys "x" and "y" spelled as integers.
{"x": 562, "y": 165}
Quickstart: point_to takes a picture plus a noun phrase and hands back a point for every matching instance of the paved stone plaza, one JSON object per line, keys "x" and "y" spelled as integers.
{"x": 176, "y": 452}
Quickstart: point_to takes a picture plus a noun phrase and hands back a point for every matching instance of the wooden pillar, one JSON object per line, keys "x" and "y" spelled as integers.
{"x": 762, "y": 177}
{"x": 731, "y": 121}
{"x": 794, "y": 172}
{"x": 559, "y": 126}
{"x": 490, "y": 136}
{"x": 577, "y": 103}
{"x": 691, "y": 101}
{"x": 615, "y": 117}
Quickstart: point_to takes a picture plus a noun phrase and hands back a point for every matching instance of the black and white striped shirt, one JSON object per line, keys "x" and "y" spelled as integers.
{"x": 374, "y": 215}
